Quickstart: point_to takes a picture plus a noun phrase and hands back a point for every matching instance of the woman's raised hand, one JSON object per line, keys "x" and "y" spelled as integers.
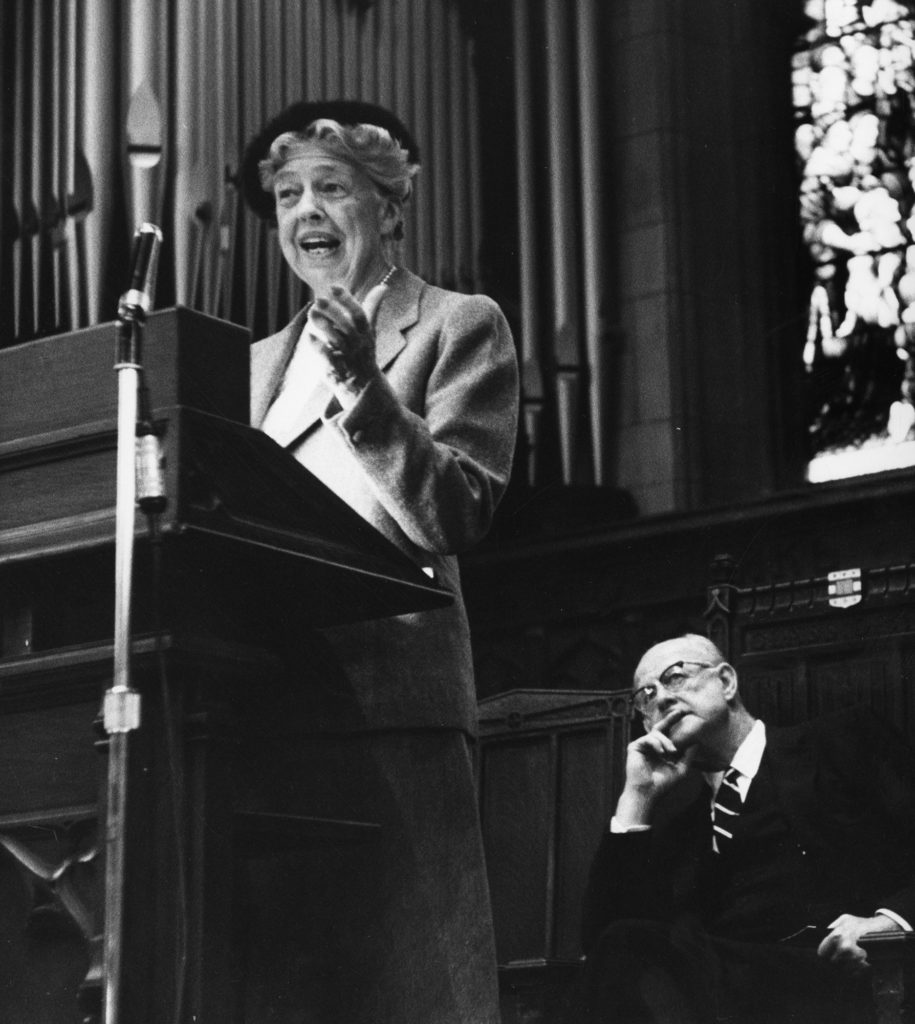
{"x": 341, "y": 331}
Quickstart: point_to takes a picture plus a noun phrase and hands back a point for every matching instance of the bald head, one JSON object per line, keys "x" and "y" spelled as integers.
{"x": 690, "y": 647}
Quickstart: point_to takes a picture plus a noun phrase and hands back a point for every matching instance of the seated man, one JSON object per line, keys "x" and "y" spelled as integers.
{"x": 744, "y": 862}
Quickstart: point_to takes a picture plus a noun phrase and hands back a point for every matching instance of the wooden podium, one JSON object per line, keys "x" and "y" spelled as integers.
{"x": 253, "y": 551}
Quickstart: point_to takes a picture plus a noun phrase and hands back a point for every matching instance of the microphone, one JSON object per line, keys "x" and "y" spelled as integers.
{"x": 144, "y": 263}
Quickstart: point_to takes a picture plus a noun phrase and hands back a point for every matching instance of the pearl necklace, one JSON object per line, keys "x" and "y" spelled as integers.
{"x": 387, "y": 277}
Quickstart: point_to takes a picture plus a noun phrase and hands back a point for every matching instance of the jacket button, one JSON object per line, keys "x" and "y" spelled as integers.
{"x": 357, "y": 437}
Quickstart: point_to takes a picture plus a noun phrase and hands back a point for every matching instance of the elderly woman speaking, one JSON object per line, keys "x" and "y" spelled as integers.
{"x": 402, "y": 398}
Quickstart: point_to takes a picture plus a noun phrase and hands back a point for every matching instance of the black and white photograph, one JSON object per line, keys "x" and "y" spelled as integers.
{"x": 457, "y": 511}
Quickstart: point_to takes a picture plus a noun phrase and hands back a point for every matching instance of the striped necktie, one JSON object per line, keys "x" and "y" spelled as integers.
{"x": 725, "y": 810}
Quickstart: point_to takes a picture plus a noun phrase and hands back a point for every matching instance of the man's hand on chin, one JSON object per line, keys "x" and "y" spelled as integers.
{"x": 654, "y": 763}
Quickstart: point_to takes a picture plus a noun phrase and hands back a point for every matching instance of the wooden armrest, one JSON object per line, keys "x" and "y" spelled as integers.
{"x": 258, "y": 833}
{"x": 535, "y": 991}
{"x": 892, "y": 959}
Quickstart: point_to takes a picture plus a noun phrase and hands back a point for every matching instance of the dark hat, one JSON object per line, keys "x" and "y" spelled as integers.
{"x": 296, "y": 118}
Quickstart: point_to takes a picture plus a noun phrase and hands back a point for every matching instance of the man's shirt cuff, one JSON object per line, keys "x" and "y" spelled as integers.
{"x": 617, "y": 828}
{"x": 901, "y": 921}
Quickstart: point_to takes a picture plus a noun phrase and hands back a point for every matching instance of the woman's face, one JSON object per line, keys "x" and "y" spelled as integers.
{"x": 331, "y": 220}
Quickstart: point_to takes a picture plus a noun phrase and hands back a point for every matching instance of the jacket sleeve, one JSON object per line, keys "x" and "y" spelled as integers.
{"x": 632, "y": 877}
{"x": 607, "y": 896}
{"x": 441, "y": 475}
{"x": 864, "y": 806}
{"x": 656, "y": 874}
{"x": 892, "y": 769}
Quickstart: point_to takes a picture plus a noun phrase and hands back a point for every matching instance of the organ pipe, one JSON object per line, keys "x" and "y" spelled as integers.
{"x": 332, "y": 61}
{"x": 591, "y": 221}
{"x": 424, "y": 210}
{"x": 349, "y": 53}
{"x": 440, "y": 156}
{"x": 252, "y": 116}
{"x": 274, "y": 100}
{"x": 461, "y": 178}
{"x": 95, "y": 118}
{"x": 314, "y": 87}
{"x": 27, "y": 216}
{"x": 73, "y": 167}
{"x": 43, "y": 156}
{"x": 386, "y": 56}
{"x": 531, "y": 377}
{"x": 475, "y": 158}
{"x": 145, "y": 126}
{"x": 367, "y": 63}
{"x": 403, "y": 106}
{"x": 563, "y": 232}
{"x": 293, "y": 90}
{"x": 189, "y": 177}
{"x": 228, "y": 141}
{"x": 61, "y": 149}
{"x": 8, "y": 219}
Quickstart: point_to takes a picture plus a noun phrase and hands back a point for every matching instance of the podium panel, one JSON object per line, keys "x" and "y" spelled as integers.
{"x": 231, "y": 491}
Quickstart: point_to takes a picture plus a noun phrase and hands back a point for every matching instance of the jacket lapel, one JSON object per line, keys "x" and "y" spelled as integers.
{"x": 398, "y": 311}
{"x": 791, "y": 760}
{"x": 269, "y": 359}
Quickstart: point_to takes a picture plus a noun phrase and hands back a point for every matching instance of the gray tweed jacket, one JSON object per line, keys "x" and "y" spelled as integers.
{"x": 424, "y": 456}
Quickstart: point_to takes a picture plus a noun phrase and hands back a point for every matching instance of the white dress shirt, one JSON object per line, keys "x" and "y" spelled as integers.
{"x": 304, "y": 373}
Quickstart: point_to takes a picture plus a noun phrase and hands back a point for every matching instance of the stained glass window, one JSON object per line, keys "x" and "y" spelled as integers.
{"x": 854, "y": 80}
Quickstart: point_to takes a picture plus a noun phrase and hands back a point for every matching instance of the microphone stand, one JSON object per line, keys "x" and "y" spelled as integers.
{"x": 121, "y": 707}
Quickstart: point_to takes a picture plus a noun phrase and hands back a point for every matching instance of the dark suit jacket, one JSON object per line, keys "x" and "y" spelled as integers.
{"x": 424, "y": 456}
{"x": 847, "y": 785}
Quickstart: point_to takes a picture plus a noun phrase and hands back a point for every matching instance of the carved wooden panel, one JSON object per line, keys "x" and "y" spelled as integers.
{"x": 808, "y": 646}
{"x": 550, "y": 768}
{"x": 50, "y": 928}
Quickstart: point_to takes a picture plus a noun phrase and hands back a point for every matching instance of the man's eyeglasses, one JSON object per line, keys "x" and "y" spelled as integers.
{"x": 672, "y": 679}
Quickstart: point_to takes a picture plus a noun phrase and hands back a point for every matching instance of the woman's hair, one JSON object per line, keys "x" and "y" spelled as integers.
{"x": 368, "y": 147}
